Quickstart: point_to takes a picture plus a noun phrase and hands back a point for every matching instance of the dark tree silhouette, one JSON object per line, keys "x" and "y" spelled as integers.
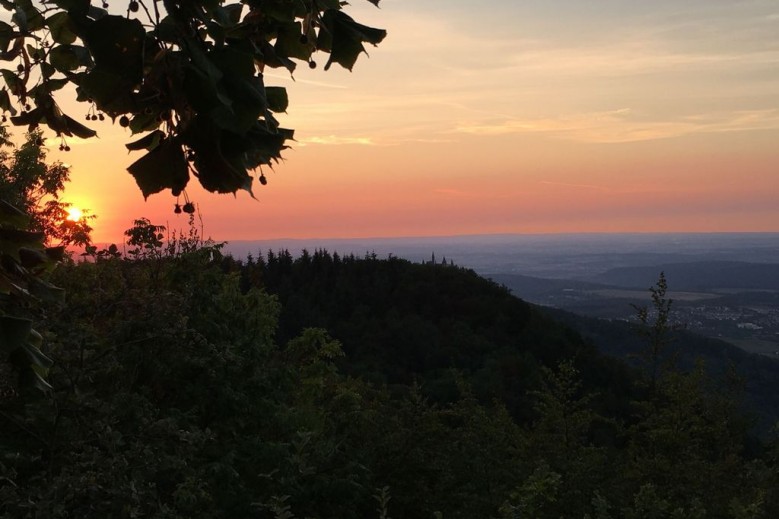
{"x": 187, "y": 74}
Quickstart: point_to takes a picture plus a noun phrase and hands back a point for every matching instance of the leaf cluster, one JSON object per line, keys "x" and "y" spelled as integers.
{"x": 24, "y": 260}
{"x": 32, "y": 184}
{"x": 188, "y": 75}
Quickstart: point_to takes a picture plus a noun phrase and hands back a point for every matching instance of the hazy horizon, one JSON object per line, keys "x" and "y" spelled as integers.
{"x": 550, "y": 255}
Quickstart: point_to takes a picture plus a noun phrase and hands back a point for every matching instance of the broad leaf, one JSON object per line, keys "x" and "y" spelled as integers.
{"x": 10, "y": 216}
{"x": 12, "y": 81}
{"x": 13, "y": 332}
{"x": 31, "y": 258}
{"x": 5, "y": 102}
{"x": 347, "y": 38}
{"x": 32, "y": 17}
{"x": 110, "y": 91}
{"x": 69, "y": 57}
{"x": 144, "y": 122}
{"x": 147, "y": 142}
{"x": 62, "y": 28}
{"x": 116, "y": 44}
{"x": 277, "y": 98}
{"x": 288, "y": 42}
{"x": 76, "y": 128}
{"x": 165, "y": 167}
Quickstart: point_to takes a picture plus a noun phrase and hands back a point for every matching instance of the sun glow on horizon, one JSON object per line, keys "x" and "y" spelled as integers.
{"x": 74, "y": 214}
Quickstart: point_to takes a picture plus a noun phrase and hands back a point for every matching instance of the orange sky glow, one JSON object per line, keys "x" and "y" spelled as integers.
{"x": 507, "y": 116}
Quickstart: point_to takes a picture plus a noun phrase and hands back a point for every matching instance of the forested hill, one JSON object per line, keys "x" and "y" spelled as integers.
{"x": 188, "y": 384}
{"x": 401, "y": 322}
{"x": 758, "y": 375}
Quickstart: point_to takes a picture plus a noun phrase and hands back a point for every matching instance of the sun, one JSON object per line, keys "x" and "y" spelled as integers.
{"x": 74, "y": 214}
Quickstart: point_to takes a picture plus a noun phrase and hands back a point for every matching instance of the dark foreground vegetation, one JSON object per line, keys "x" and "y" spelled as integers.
{"x": 188, "y": 384}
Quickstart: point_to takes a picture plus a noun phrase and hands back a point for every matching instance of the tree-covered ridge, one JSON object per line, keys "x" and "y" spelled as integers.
{"x": 188, "y": 75}
{"x": 184, "y": 388}
{"x": 400, "y": 322}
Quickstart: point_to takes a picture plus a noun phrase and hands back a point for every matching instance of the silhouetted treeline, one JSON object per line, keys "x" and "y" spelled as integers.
{"x": 195, "y": 385}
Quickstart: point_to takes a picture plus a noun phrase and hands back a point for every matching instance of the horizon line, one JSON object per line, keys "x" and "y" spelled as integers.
{"x": 486, "y": 235}
{"x": 509, "y": 234}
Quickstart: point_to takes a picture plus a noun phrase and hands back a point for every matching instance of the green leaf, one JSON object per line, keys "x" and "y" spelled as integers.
{"x": 61, "y": 123}
{"x": 18, "y": 238}
{"x": 47, "y": 70}
{"x": 110, "y": 91}
{"x": 38, "y": 381}
{"x": 19, "y": 18}
{"x": 288, "y": 42}
{"x": 47, "y": 292}
{"x": 56, "y": 254}
{"x": 228, "y": 15}
{"x": 5, "y": 102}
{"x": 116, "y": 44}
{"x": 271, "y": 58}
{"x": 201, "y": 61}
{"x": 279, "y": 10}
{"x": 33, "y": 353}
{"x": 96, "y": 13}
{"x": 220, "y": 157}
{"x": 144, "y": 122}
{"x": 28, "y": 15}
{"x": 74, "y": 127}
{"x": 13, "y": 81}
{"x": 13, "y": 332}
{"x": 62, "y": 28}
{"x": 31, "y": 258}
{"x": 10, "y": 216}
{"x": 31, "y": 118}
{"x": 277, "y": 98}
{"x": 52, "y": 85}
{"x": 201, "y": 90}
{"x": 162, "y": 168}
{"x": 248, "y": 103}
{"x": 347, "y": 38}
{"x": 147, "y": 142}
{"x": 69, "y": 57}
{"x": 7, "y": 34}
{"x": 232, "y": 62}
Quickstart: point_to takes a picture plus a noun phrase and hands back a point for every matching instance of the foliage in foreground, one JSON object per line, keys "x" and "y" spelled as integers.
{"x": 188, "y": 75}
{"x": 173, "y": 399}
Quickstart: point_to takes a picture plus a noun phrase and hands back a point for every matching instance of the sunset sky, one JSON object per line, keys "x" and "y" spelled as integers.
{"x": 505, "y": 116}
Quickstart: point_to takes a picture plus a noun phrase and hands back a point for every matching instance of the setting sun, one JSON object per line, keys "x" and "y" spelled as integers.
{"x": 74, "y": 214}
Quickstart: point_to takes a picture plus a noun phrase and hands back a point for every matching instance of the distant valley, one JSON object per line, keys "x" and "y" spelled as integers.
{"x": 726, "y": 308}
{"x": 723, "y": 285}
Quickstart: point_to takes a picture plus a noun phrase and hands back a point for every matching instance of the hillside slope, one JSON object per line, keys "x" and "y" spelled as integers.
{"x": 400, "y": 322}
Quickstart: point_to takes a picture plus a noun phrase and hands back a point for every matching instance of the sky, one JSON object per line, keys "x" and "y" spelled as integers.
{"x": 507, "y": 116}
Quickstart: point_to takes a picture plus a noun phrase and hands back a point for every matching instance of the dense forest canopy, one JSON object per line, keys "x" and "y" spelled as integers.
{"x": 186, "y": 75}
{"x": 193, "y": 384}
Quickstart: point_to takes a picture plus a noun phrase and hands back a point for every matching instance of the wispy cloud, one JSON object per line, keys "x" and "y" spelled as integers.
{"x": 624, "y": 126}
{"x": 476, "y": 194}
{"x": 334, "y": 140}
{"x": 577, "y": 186}
{"x": 291, "y": 79}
